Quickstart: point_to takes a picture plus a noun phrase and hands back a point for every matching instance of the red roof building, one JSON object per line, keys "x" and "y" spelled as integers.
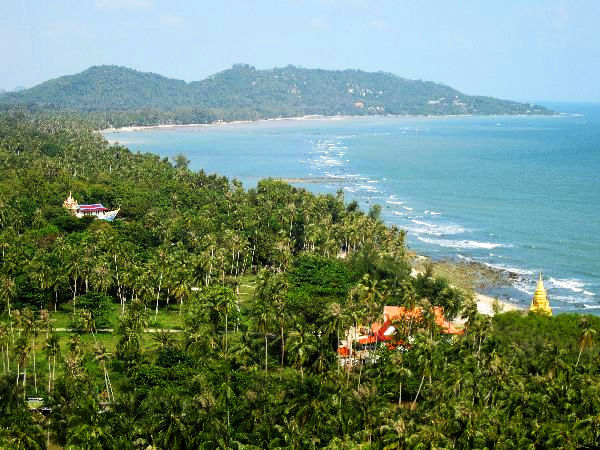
{"x": 91, "y": 209}
{"x": 396, "y": 314}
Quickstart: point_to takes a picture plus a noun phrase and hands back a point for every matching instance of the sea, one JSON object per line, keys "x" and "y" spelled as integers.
{"x": 519, "y": 194}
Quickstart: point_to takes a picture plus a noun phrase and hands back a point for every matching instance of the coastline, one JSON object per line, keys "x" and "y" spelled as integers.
{"x": 484, "y": 292}
{"x": 222, "y": 123}
{"x": 302, "y": 118}
{"x": 485, "y": 303}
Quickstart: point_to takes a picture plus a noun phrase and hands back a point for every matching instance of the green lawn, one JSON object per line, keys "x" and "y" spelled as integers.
{"x": 167, "y": 318}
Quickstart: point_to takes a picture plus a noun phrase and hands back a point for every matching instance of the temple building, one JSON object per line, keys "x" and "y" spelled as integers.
{"x": 96, "y": 210}
{"x": 540, "y": 303}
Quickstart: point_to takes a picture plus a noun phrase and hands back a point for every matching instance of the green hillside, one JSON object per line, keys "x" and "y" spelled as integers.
{"x": 207, "y": 316}
{"x": 121, "y": 96}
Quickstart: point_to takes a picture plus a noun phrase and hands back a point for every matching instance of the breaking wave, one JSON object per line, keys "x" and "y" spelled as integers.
{"x": 461, "y": 244}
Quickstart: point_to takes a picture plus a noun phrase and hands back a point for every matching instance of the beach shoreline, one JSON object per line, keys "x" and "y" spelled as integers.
{"x": 486, "y": 304}
{"x": 223, "y": 123}
{"x": 298, "y": 118}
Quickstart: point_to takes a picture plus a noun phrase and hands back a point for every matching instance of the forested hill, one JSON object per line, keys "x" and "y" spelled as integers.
{"x": 122, "y": 96}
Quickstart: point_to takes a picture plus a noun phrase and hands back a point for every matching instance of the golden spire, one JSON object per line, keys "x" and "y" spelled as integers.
{"x": 539, "y": 303}
{"x": 70, "y": 203}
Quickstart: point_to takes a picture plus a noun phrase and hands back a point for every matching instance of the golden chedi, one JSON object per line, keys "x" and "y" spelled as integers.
{"x": 539, "y": 303}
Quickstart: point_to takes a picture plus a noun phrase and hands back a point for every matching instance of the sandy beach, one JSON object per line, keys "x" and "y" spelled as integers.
{"x": 485, "y": 303}
{"x": 220, "y": 123}
{"x": 276, "y": 119}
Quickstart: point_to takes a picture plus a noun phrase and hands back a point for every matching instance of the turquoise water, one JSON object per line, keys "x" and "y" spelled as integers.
{"x": 517, "y": 193}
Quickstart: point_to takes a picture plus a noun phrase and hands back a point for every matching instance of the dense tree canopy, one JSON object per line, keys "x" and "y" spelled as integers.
{"x": 118, "y": 96}
{"x": 210, "y": 316}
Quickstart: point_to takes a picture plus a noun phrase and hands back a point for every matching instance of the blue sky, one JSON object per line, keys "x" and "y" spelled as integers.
{"x": 523, "y": 50}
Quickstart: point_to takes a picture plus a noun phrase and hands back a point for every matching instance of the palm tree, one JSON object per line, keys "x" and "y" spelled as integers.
{"x": 52, "y": 350}
{"x": 182, "y": 289}
{"x": 89, "y": 324}
{"x": 21, "y": 350}
{"x": 101, "y": 276}
{"x": 424, "y": 352}
{"x": 158, "y": 266}
{"x": 272, "y": 289}
{"x": 336, "y": 320}
{"x": 224, "y": 302}
{"x": 75, "y": 269}
{"x": 31, "y": 328}
{"x": 164, "y": 338}
{"x": 263, "y": 316}
{"x": 401, "y": 372}
{"x": 168, "y": 429}
{"x": 7, "y": 290}
{"x": 586, "y": 336}
{"x": 242, "y": 351}
{"x": 4, "y": 340}
{"x": 46, "y": 321}
{"x": 371, "y": 299}
{"x": 86, "y": 428}
{"x": 101, "y": 357}
{"x": 303, "y": 344}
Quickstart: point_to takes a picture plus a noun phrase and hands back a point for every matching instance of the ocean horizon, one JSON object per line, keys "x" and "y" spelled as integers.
{"x": 515, "y": 193}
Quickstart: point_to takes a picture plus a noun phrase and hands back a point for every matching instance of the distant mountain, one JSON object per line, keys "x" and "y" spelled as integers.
{"x": 126, "y": 96}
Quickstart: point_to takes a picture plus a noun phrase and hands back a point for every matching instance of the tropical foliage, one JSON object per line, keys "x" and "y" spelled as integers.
{"x": 261, "y": 286}
{"x": 118, "y": 96}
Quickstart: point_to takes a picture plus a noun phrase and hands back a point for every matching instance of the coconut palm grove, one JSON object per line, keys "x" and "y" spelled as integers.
{"x": 207, "y": 315}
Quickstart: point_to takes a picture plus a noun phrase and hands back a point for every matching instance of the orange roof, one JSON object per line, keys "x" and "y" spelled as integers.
{"x": 344, "y": 352}
{"x": 396, "y": 313}
{"x": 375, "y": 326}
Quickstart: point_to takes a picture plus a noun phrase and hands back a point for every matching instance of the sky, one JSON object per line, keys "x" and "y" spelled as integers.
{"x": 528, "y": 50}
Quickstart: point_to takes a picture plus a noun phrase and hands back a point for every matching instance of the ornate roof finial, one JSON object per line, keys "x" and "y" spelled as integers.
{"x": 70, "y": 203}
{"x": 540, "y": 303}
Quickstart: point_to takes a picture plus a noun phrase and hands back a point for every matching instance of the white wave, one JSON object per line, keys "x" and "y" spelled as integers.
{"x": 511, "y": 269}
{"x": 567, "y": 299}
{"x": 398, "y": 213}
{"x": 526, "y": 289}
{"x": 420, "y": 222}
{"x": 430, "y": 231}
{"x": 591, "y": 306}
{"x": 461, "y": 244}
{"x": 437, "y": 230}
{"x": 407, "y": 208}
{"x": 591, "y": 294}
{"x": 505, "y": 268}
{"x": 366, "y": 187}
{"x": 392, "y": 202}
{"x": 570, "y": 284}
